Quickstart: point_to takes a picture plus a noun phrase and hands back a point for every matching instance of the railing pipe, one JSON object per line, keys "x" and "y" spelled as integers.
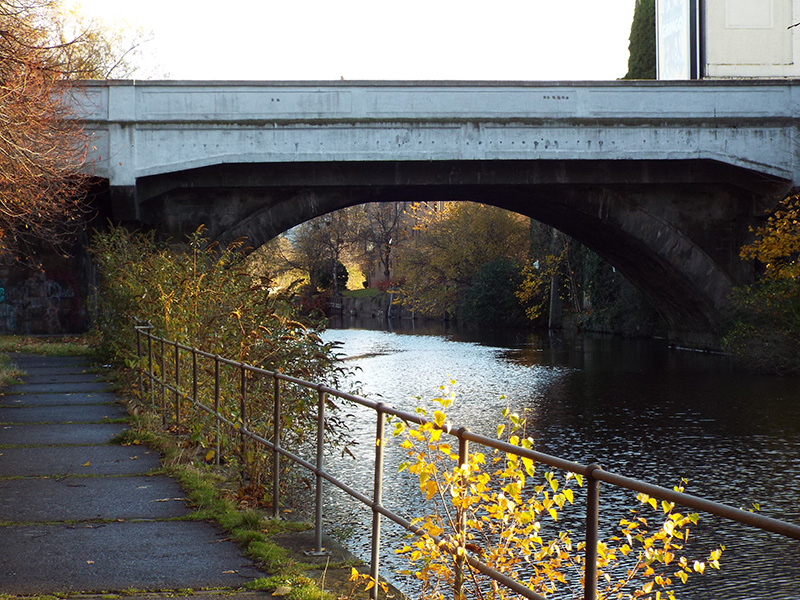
{"x": 701, "y": 504}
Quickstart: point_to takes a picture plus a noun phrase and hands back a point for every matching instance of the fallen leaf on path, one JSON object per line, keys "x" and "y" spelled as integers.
{"x": 86, "y": 464}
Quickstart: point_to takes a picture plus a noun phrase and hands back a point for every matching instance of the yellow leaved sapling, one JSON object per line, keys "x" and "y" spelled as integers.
{"x": 499, "y": 508}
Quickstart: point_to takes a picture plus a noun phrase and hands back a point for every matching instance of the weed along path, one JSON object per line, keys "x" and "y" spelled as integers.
{"x": 81, "y": 514}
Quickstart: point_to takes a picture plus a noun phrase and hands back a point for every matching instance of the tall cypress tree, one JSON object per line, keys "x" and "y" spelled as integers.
{"x": 642, "y": 47}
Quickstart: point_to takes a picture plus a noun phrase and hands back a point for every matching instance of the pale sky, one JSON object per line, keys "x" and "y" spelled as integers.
{"x": 380, "y": 39}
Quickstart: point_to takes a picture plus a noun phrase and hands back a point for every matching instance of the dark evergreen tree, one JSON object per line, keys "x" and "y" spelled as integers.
{"x": 642, "y": 46}
{"x": 491, "y": 299}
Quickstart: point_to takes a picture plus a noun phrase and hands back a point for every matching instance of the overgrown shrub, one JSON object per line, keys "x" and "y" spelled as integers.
{"x": 205, "y": 297}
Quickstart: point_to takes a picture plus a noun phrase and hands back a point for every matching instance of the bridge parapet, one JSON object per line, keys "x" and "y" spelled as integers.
{"x": 151, "y": 128}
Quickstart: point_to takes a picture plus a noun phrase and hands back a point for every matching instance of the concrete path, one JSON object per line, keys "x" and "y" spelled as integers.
{"x": 78, "y": 514}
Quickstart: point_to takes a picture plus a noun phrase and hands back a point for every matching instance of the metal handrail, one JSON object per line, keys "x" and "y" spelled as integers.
{"x": 592, "y": 473}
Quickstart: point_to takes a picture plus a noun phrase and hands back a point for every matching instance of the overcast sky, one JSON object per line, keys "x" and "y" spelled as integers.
{"x": 379, "y": 39}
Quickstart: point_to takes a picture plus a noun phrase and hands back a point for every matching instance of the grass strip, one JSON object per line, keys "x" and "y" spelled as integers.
{"x": 74, "y": 345}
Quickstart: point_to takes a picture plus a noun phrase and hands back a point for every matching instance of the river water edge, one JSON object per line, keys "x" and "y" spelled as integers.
{"x": 638, "y": 407}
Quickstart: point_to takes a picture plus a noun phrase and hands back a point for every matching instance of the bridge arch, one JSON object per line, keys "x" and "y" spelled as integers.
{"x": 632, "y": 213}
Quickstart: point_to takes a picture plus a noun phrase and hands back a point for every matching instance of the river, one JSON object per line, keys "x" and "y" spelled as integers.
{"x": 639, "y": 408}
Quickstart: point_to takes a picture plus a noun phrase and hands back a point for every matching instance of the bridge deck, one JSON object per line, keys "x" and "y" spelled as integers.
{"x": 148, "y": 128}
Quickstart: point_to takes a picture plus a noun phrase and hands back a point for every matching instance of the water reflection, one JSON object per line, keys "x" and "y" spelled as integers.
{"x": 638, "y": 407}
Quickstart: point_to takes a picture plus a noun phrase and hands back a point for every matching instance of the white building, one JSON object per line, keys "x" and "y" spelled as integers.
{"x": 728, "y": 38}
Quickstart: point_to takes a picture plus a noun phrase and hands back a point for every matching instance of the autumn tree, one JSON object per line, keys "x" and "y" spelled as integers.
{"x": 88, "y": 48}
{"x": 319, "y": 247}
{"x": 386, "y": 225}
{"x": 450, "y": 244}
{"x": 42, "y": 145}
{"x": 274, "y": 262}
{"x": 41, "y": 148}
{"x": 765, "y": 327}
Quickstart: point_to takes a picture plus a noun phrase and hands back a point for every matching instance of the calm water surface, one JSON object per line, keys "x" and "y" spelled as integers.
{"x": 638, "y": 408}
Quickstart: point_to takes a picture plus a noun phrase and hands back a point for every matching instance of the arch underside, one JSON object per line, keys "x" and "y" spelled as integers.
{"x": 673, "y": 228}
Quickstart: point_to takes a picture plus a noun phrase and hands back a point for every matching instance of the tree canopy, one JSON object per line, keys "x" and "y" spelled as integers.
{"x": 42, "y": 146}
{"x": 450, "y": 245}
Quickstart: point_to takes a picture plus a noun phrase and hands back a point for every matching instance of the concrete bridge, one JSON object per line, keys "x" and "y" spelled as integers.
{"x": 663, "y": 179}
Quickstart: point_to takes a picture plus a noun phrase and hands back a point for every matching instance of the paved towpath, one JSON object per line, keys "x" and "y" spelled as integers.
{"x": 79, "y": 514}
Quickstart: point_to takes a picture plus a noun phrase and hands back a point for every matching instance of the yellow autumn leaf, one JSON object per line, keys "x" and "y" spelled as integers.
{"x": 431, "y": 489}
{"x": 699, "y": 566}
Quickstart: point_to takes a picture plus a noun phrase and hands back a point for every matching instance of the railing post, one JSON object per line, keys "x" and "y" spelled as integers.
{"x": 163, "y": 380}
{"x": 592, "y": 524}
{"x": 150, "y": 386}
{"x": 276, "y": 455}
{"x": 194, "y": 375}
{"x": 461, "y": 516}
{"x": 321, "y": 398}
{"x": 377, "y": 494}
{"x": 139, "y": 358}
{"x": 243, "y": 411}
{"x": 217, "y": 436}
{"x": 177, "y": 386}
